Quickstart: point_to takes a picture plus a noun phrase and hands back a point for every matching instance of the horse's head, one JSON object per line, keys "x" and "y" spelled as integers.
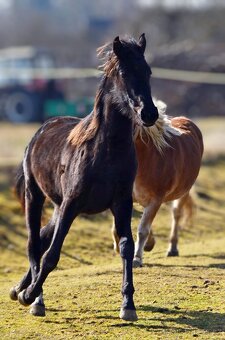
{"x": 133, "y": 77}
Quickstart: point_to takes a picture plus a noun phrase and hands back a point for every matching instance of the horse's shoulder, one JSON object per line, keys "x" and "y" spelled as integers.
{"x": 190, "y": 129}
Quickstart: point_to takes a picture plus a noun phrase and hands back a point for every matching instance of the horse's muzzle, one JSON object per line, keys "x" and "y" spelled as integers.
{"x": 149, "y": 117}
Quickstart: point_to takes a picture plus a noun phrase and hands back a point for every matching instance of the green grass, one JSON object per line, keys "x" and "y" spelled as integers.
{"x": 176, "y": 298}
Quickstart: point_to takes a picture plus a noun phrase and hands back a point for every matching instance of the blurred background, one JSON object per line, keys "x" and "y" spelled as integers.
{"x": 48, "y": 67}
{"x": 48, "y": 53}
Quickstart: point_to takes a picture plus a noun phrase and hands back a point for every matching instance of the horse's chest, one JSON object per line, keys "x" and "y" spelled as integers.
{"x": 107, "y": 184}
{"x": 141, "y": 195}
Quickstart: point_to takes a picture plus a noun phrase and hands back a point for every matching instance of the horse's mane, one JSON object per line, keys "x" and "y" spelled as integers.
{"x": 87, "y": 128}
{"x": 160, "y": 132}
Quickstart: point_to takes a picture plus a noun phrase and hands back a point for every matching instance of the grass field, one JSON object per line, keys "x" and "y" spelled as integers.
{"x": 176, "y": 298}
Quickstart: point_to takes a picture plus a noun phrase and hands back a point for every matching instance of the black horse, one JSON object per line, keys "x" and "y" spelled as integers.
{"x": 87, "y": 166}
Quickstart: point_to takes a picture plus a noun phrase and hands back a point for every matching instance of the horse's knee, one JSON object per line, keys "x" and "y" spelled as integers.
{"x": 126, "y": 246}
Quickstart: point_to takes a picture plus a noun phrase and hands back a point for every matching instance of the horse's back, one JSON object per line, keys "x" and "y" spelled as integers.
{"x": 170, "y": 175}
{"x": 50, "y": 139}
{"x": 43, "y": 155}
{"x": 188, "y": 127}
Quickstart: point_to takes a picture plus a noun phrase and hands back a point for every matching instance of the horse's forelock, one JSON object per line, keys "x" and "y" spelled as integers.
{"x": 110, "y": 60}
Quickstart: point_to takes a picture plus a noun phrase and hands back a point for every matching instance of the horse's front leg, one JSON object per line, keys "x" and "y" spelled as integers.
{"x": 144, "y": 234}
{"x": 122, "y": 212}
{"x": 50, "y": 259}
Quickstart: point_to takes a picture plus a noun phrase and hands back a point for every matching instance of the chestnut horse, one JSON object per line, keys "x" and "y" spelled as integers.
{"x": 87, "y": 166}
{"x": 169, "y": 157}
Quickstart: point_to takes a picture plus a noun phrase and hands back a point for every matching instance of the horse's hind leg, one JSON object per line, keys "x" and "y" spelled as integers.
{"x": 177, "y": 213}
{"x": 144, "y": 233}
{"x": 46, "y": 234}
{"x": 150, "y": 243}
{"x": 38, "y": 306}
{"x": 34, "y": 200}
{"x": 115, "y": 239}
{"x": 66, "y": 215}
{"x": 122, "y": 212}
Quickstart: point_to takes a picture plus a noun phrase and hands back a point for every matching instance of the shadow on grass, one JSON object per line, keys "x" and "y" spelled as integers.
{"x": 189, "y": 320}
{"x": 76, "y": 258}
{"x": 193, "y": 267}
{"x": 150, "y": 327}
{"x": 204, "y": 320}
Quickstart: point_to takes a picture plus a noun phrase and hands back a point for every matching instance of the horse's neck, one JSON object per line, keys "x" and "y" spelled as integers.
{"x": 116, "y": 123}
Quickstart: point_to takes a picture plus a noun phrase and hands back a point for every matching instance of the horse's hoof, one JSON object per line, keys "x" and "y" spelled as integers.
{"x": 13, "y": 294}
{"x": 137, "y": 262}
{"x": 172, "y": 253}
{"x": 37, "y": 310}
{"x": 150, "y": 245}
{"x": 128, "y": 314}
{"x": 21, "y": 298}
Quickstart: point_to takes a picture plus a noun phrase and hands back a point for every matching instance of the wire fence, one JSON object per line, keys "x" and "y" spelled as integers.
{"x": 76, "y": 73}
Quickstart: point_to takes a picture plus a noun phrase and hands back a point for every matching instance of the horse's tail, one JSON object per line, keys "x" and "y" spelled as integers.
{"x": 19, "y": 186}
{"x": 189, "y": 208}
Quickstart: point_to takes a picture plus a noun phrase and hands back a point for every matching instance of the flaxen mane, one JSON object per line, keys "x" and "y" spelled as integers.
{"x": 161, "y": 132}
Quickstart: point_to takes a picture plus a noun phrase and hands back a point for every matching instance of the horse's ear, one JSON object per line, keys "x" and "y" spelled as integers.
{"x": 117, "y": 47}
{"x": 142, "y": 43}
